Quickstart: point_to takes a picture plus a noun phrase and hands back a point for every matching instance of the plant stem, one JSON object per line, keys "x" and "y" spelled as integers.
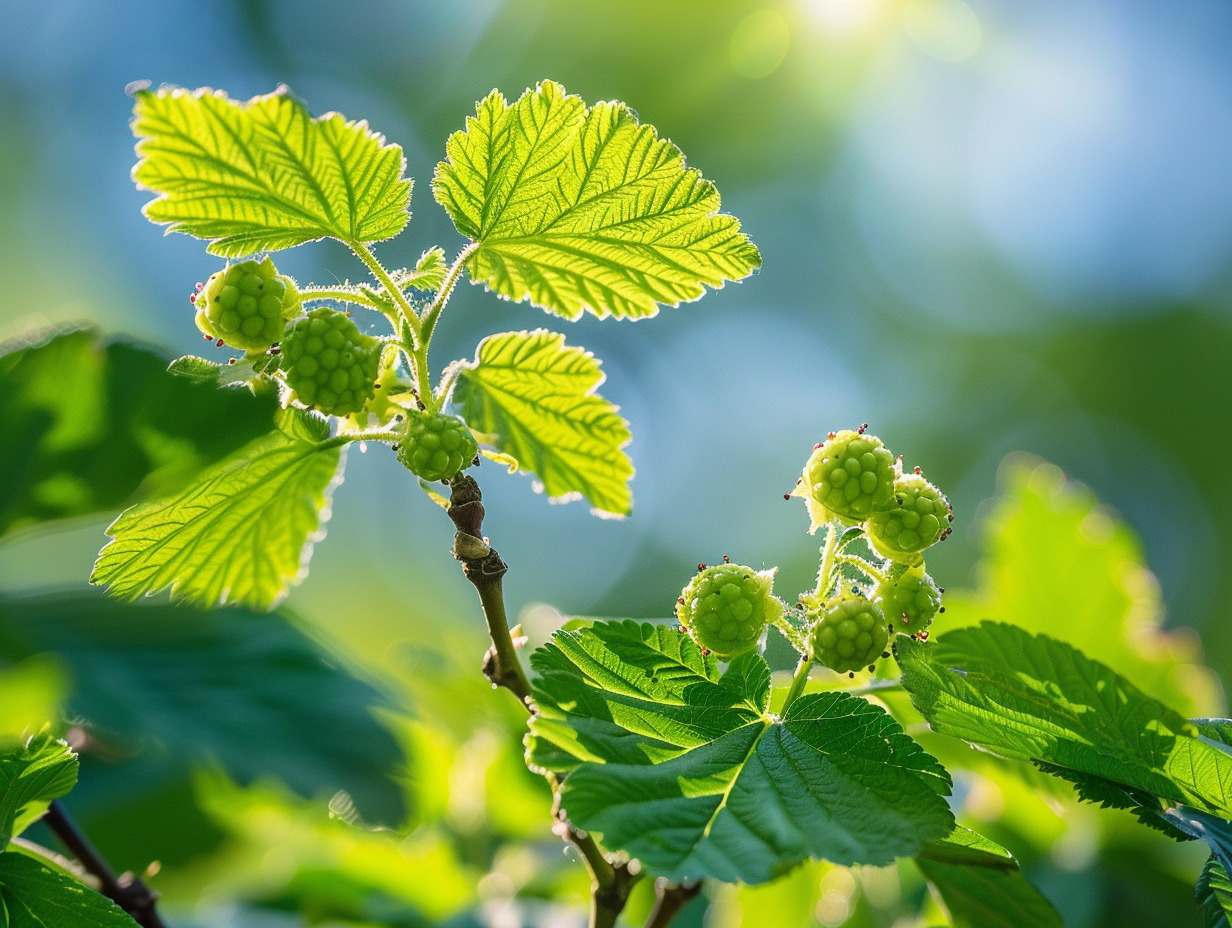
{"x": 670, "y": 898}
{"x": 419, "y": 348}
{"x": 433, "y": 312}
{"x": 483, "y": 567}
{"x": 798, "y": 681}
{"x": 341, "y": 295}
{"x": 126, "y": 891}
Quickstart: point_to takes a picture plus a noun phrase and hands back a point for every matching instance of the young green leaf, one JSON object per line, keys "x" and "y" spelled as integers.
{"x": 1032, "y": 697}
{"x": 35, "y": 896}
{"x": 265, "y": 175}
{"x": 31, "y": 776}
{"x": 240, "y": 534}
{"x": 981, "y": 884}
{"x": 1214, "y": 894}
{"x": 584, "y": 210}
{"x": 537, "y": 396}
{"x": 217, "y": 687}
{"x": 686, "y": 769}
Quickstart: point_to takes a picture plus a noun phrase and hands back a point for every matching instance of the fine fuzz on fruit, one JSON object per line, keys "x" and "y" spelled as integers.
{"x": 849, "y": 475}
{"x": 246, "y": 304}
{"x": 850, "y": 634}
{"x": 916, "y": 518}
{"x": 436, "y": 446}
{"x": 909, "y": 599}
{"x": 726, "y": 607}
{"x": 329, "y": 363}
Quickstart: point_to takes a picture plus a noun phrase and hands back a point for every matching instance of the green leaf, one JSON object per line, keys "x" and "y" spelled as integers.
{"x": 252, "y": 693}
{"x": 1048, "y": 541}
{"x": 984, "y": 897}
{"x": 686, "y": 769}
{"x": 584, "y": 210}
{"x": 36, "y": 896}
{"x": 1214, "y": 894}
{"x": 89, "y": 425}
{"x": 1035, "y": 698}
{"x": 967, "y": 848}
{"x": 264, "y": 175}
{"x": 536, "y": 395}
{"x": 31, "y": 776}
{"x": 241, "y": 533}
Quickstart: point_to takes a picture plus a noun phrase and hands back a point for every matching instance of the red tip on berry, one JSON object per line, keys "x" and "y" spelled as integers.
{"x": 726, "y": 559}
{"x": 786, "y": 496}
{"x": 924, "y": 636}
{"x": 680, "y": 600}
{"x": 832, "y": 435}
{"x": 192, "y": 298}
{"x": 220, "y": 343}
{"x": 701, "y": 567}
{"x": 209, "y": 338}
{"x": 230, "y": 361}
{"x": 819, "y": 444}
{"x": 916, "y": 470}
{"x": 862, "y": 428}
{"x": 200, "y": 286}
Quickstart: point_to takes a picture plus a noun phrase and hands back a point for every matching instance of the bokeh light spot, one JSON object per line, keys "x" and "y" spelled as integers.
{"x": 759, "y": 44}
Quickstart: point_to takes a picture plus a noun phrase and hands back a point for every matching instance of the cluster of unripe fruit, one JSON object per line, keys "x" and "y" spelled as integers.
{"x": 851, "y": 479}
{"x": 326, "y": 362}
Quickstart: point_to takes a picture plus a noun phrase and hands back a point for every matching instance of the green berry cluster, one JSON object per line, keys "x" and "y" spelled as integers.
{"x": 852, "y": 478}
{"x": 329, "y": 363}
{"x": 436, "y": 446}
{"x": 726, "y": 607}
{"x": 246, "y": 305}
{"x": 850, "y": 633}
{"x": 850, "y": 475}
{"x": 909, "y": 598}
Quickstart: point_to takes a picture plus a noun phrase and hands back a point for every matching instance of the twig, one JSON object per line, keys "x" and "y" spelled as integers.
{"x": 670, "y": 898}
{"x": 611, "y": 881}
{"x": 126, "y": 891}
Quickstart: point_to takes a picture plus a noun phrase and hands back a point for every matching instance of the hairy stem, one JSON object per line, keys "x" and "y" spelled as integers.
{"x": 483, "y": 567}
{"x": 340, "y": 295}
{"x": 798, "y": 682}
{"x": 670, "y": 898}
{"x": 126, "y": 891}
{"x": 433, "y": 312}
{"x": 419, "y": 347}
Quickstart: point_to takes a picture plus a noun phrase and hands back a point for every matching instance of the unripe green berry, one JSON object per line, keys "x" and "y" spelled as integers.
{"x": 917, "y": 517}
{"x": 850, "y": 634}
{"x": 246, "y": 304}
{"x": 726, "y": 607}
{"x": 436, "y": 446}
{"x": 909, "y": 598}
{"x": 329, "y": 363}
{"x": 849, "y": 475}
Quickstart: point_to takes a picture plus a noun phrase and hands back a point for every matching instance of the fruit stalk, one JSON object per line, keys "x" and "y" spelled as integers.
{"x": 129, "y": 893}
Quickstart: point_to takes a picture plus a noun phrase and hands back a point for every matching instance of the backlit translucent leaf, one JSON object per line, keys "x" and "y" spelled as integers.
{"x": 536, "y": 395}
{"x": 218, "y": 687}
{"x": 1035, "y": 698}
{"x": 35, "y": 896}
{"x": 240, "y": 534}
{"x": 981, "y": 884}
{"x": 32, "y": 774}
{"x": 1048, "y": 540}
{"x": 88, "y": 425}
{"x": 686, "y": 769}
{"x": 584, "y": 210}
{"x": 264, "y": 175}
